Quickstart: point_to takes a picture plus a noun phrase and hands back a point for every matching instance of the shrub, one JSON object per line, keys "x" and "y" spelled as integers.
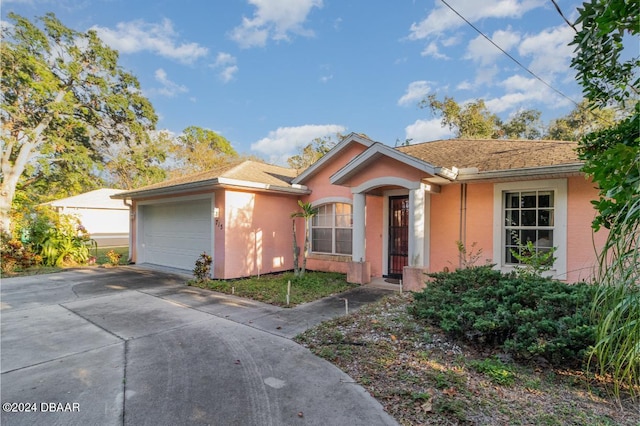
{"x": 526, "y": 316}
{"x": 15, "y": 255}
{"x": 114, "y": 257}
{"x": 60, "y": 239}
{"x": 202, "y": 271}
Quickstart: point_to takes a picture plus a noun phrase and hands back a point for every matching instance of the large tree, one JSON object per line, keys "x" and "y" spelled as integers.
{"x": 471, "y": 120}
{"x": 198, "y": 149}
{"x": 65, "y": 101}
{"x": 311, "y": 152}
{"x": 580, "y": 121}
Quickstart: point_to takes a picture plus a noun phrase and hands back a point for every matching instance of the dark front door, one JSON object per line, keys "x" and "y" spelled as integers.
{"x": 398, "y": 235}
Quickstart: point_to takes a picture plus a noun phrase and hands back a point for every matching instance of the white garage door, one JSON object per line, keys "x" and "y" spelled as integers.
{"x": 175, "y": 234}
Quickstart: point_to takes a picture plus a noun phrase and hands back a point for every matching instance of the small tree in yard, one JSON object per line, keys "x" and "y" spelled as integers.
{"x": 307, "y": 212}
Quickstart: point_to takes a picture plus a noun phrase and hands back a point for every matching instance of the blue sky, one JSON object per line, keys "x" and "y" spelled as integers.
{"x": 272, "y": 75}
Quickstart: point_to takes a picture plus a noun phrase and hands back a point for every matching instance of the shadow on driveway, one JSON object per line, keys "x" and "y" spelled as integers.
{"x": 131, "y": 345}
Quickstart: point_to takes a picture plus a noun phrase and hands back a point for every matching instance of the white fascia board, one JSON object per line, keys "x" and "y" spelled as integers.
{"x": 169, "y": 190}
{"x": 245, "y": 184}
{"x": 347, "y": 140}
{"x": 375, "y": 150}
{"x": 520, "y": 173}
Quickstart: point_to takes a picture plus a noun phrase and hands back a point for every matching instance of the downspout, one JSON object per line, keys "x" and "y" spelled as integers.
{"x": 132, "y": 216}
{"x": 462, "y": 236}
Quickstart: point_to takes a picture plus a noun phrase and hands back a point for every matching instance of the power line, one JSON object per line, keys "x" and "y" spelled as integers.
{"x": 509, "y": 55}
{"x": 563, "y": 17}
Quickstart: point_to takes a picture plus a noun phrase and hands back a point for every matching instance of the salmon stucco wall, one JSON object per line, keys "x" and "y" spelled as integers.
{"x": 386, "y": 167}
{"x": 445, "y": 228}
{"x": 219, "y": 235}
{"x": 322, "y": 189}
{"x": 447, "y": 208}
{"x": 479, "y": 220}
{"x": 258, "y": 237}
{"x": 582, "y": 243}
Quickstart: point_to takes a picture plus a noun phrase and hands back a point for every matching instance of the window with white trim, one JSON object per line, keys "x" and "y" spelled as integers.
{"x": 529, "y": 216}
{"x": 533, "y": 211}
{"x": 331, "y": 229}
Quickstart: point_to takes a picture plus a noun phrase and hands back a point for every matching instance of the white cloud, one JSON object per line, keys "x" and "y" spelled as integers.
{"x": 416, "y": 91}
{"x": 169, "y": 88}
{"x": 442, "y": 19}
{"x": 159, "y": 38}
{"x": 549, "y": 50}
{"x": 283, "y": 142}
{"x": 522, "y": 92}
{"x": 274, "y": 19}
{"x": 464, "y": 85}
{"x": 427, "y": 130}
{"x": 432, "y": 50}
{"x": 226, "y": 64}
{"x": 326, "y": 78}
{"x": 481, "y": 50}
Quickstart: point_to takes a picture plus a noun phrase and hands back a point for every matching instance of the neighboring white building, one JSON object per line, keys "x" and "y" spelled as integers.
{"x": 106, "y": 219}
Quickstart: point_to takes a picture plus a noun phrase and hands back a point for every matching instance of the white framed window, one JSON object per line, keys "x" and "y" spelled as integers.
{"x": 533, "y": 211}
{"x": 331, "y": 229}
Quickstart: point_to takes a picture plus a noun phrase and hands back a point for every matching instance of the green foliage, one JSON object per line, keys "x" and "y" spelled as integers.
{"x": 600, "y": 43}
{"x": 496, "y": 370}
{"x": 612, "y": 159}
{"x": 468, "y": 257}
{"x": 527, "y": 316}
{"x": 65, "y": 104}
{"x": 60, "y": 239}
{"x": 610, "y": 77}
{"x": 307, "y": 211}
{"x": 525, "y": 124}
{"x": 472, "y": 120}
{"x": 311, "y": 153}
{"x": 535, "y": 261}
{"x": 16, "y": 256}
{"x": 582, "y": 120}
{"x": 197, "y": 150}
{"x": 202, "y": 271}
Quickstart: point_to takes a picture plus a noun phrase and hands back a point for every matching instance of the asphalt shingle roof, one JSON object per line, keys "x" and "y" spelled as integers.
{"x": 251, "y": 171}
{"x": 494, "y": 154}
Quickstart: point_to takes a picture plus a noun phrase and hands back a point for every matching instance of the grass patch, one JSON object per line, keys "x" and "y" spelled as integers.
{"x": 101, "y": 255}
{"x": 272, "y": 288}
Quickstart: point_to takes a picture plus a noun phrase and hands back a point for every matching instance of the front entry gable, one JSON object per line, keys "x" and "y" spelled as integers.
{"x": 349, "y": 147}
{"x": 380, "y": 163}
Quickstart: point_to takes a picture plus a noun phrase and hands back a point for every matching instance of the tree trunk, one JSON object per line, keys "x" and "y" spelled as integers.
{"x": 11, "y": 172}
{"x": 296, "y": 250}
{"x": 306, "y": 251}
{"x": 10, "y": 175}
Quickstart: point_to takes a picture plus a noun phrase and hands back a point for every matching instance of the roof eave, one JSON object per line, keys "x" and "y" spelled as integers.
{"x": 212, "y": 184}
{"x": 527, "y": 172}
{"x": 266, "y": 187}
{"x": 169, "y": 190}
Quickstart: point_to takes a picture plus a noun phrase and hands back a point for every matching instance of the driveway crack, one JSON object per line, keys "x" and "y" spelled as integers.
{"x": 94, "y": 323}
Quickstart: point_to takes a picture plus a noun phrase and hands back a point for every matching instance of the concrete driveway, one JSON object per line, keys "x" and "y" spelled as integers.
{"x": 136, "y": 346}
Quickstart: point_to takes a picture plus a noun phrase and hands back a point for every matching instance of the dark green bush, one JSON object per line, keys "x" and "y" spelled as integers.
{"x": 526, "y": 316}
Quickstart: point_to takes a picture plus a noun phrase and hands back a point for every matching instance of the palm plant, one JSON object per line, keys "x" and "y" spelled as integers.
{"x": 307, "y": 212}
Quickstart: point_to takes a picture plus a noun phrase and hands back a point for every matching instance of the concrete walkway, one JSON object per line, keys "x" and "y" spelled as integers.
{"x": 137, "y": 346}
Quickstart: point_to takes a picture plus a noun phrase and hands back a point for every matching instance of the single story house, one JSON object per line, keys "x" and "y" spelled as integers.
{"x": 381, "y": 211}
{"x": 106, "y": 219}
